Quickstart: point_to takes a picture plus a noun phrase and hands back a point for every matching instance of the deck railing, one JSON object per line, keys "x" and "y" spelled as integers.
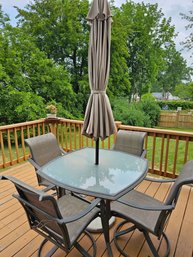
{"x": 167, "y": 150}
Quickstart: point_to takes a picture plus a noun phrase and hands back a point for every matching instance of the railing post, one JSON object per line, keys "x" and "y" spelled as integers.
{"x": 53, "y": 124}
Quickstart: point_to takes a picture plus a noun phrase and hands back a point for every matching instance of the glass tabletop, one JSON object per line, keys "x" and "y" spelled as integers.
{"x": 116, "y": 172}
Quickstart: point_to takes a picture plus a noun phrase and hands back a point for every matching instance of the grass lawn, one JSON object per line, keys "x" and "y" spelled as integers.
{"x": 171, "y": 151}
{"x": 177, "y": 129}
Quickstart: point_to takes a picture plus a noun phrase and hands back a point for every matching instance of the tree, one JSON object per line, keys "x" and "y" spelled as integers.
{"x": 185, "y": 91}
{"x": 59, "y": 28}
{"x": 174, "y": 72}
{"x": 19, "y": 106}
{"x": 24, "y": 68}
{"x": 147, "y": 33}
{"x": 188, "y": 43}
{"x": 119, "y": 82}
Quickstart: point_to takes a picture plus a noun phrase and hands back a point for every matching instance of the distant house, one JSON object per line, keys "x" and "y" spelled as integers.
{"x": 168, "y": 96}
{"x": 158, "y": 96}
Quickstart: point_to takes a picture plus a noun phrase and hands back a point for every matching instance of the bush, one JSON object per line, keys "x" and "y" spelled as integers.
{"x": 129, "y": 113}
{"x": 144, "y": 114}
{"x": 173, "y": 105}
{"x": 20, "y": 106}
{"x": 151, "y": 109}
{"x": 135, "y": 117}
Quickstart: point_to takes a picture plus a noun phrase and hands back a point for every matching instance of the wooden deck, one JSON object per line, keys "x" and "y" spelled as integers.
{"x": 16, "y": 239}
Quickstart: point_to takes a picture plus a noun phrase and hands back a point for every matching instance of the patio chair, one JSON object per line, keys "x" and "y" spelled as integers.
{"x": 131, "y": 142}
{"x": 147, "y": 214}
{"x": 43, "y": 149}
{"x": 61, "y": 221}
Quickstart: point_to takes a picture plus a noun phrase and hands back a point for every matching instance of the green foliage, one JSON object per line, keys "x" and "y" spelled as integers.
{"x": 150, "y": 107}
{"x": 119, "y": 82}
{"x": 20, "y": 106}
{"x": 175, "y": 70}
{"x": 189, "y": 40}
{"x": 60, "y": 30}
{"x": 184, "y": 91}
{"x": 45, "y": 57}
{"x": 145, "y": 113}
{"x": 172, "y": 105}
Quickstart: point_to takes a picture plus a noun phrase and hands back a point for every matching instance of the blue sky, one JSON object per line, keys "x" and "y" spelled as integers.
{"x": 170, "y": 8}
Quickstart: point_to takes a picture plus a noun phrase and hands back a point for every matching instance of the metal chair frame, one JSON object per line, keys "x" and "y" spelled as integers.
{"x": 46, "y": 216}
{"x": 43, "y": 149}
{"x": 147, "y": 214}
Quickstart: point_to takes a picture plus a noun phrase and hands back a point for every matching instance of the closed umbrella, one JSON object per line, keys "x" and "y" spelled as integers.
{"x": 99, "y": 121}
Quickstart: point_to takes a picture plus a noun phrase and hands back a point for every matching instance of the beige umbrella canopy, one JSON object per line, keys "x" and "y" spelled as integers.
{"x": 99, "y": 121}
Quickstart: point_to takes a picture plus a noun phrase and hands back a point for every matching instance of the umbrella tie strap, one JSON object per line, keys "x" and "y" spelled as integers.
{"x": 98, "y": 92}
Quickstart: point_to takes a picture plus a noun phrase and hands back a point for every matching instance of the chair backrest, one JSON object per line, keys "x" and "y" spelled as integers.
{"x": 43, "y": 148}
{"x": 131, "y": 142}
{"x": 185, "y": 177}
{"x": 42, "y": 212}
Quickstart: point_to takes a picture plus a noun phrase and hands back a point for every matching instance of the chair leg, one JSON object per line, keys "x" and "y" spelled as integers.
{"x": 150, "y": 243}
{"x": 152, "y": 247}
{"x": 48, "y": 254}
{"x": 82, "y": 250}
{"x": 60, "y": 191}
{"x": 118, "y": 233}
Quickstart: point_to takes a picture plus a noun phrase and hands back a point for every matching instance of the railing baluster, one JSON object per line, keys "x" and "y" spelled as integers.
{"x": 23, "y": 144}
{"x": 9, "y": 146}
{"x": 153, "y": 153}
{"x": 162, "y": 154}
{"x": 74, "y": 136}
{"x": 70, "y": 134}
{"x": 175, "y": 156}
{"x": 16, "y": 144}
{"x": 3, "y": 165}
{"x": 186, "y": 149}
{"x": 34, "y": 131}
{"x": 39, "y": 130}
{"x": 28, "y": 132}
{"x": 166, "y": 155}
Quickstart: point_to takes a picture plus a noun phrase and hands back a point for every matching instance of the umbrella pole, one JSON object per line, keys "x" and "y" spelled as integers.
{"x": 97, "y": 152}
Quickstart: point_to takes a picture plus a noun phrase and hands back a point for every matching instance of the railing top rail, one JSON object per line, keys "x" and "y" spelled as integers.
{"x": 22, "y": 124}
{"x": 125, "y": 127}
{"x": 158, "y": 131}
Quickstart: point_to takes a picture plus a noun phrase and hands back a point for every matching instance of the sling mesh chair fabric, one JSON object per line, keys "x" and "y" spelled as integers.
{"x": 43, "y": 149}
{"x": 131, "y": 142}
{"x": 148, "y": 214}
{"x": 61, "y": 221}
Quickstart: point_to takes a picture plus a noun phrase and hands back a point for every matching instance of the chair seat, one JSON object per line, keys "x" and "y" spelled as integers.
{"x": 145, "y": 218}
{"x": 69, "y": 206}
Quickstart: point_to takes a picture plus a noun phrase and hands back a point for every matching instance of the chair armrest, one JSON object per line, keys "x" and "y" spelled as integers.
{"x": 62, "y": 151}
{"x": 37, "y": 167}
{"x": 48, "y": 188}
{"x": 160, "y": 207}
{"x": 81, "y": 214}
{"x": 159, "y": 180}
{"x": 143, "y": 153}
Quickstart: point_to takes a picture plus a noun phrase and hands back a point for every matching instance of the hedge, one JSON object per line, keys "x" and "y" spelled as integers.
{"x": 173, "y": 105}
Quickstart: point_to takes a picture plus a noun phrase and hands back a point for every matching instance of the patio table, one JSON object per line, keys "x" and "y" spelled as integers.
{"x": 116, "y": 174}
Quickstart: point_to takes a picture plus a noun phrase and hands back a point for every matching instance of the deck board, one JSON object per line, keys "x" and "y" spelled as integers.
{"x": 16, "y": 238}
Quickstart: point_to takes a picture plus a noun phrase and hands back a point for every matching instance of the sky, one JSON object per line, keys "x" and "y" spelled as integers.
{"x": 170, "y": 8}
